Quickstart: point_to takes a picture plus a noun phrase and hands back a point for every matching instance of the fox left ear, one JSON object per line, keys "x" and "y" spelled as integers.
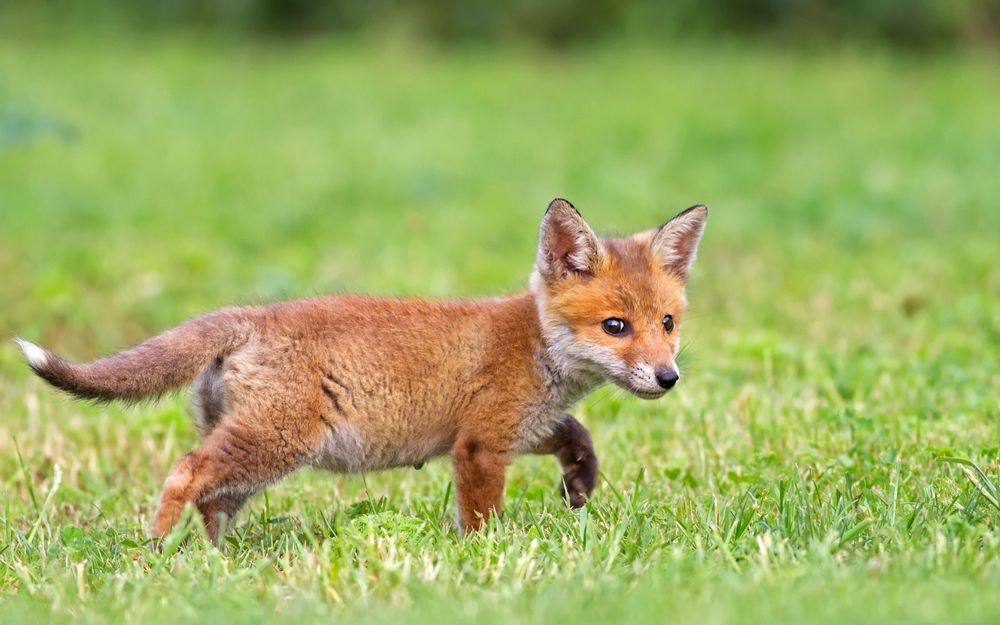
{"x": 566, "y": 244}
{"x": 675, "y": 244}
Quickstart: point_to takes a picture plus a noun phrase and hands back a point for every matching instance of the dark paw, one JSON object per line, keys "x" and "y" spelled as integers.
{"x": 579, "y": 478}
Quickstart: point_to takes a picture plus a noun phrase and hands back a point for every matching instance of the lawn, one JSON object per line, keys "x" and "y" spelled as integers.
{"x": 843, "y": 341}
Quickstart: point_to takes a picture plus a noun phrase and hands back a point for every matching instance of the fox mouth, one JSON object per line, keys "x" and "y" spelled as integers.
{"x": 646, "y": 394}
{"x": 638, "y": 392}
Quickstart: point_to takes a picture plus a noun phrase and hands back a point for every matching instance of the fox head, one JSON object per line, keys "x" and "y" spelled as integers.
{"x": 613, "y": 308}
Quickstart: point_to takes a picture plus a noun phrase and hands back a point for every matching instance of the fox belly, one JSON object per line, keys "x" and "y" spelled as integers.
{"x": 349, "y": 448}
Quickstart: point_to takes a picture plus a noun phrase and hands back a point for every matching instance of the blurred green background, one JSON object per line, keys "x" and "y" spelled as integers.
{"x": 912, "y": 24}
{"x": 160, "y": 159}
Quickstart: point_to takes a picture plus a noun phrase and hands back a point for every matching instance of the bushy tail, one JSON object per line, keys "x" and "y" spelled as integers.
{"x": 151, "y": 368}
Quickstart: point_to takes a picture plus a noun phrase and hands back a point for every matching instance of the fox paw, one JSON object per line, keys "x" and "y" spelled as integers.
{"x": 579, "y": 478}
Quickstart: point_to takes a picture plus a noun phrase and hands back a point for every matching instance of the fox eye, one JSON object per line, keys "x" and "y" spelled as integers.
{"x": 668, "y": 324}
{"x": 614, "y": 326}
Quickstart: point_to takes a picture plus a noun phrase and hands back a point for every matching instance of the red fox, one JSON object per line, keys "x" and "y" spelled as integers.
{"x": 357, "y": 384}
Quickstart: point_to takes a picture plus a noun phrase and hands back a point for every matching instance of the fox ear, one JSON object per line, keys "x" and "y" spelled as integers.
{"x": 675, "y": 244}
{"x": 566, "y": 244}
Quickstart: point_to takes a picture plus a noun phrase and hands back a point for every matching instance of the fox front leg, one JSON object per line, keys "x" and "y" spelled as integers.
{"x": 570, "y": 443}
{"x": 480, "y": 475}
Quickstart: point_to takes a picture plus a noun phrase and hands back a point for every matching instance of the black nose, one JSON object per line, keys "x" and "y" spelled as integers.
{"x": 666, "y": 378}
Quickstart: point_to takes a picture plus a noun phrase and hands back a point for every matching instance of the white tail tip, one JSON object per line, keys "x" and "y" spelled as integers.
{"x": 37, "y": 357}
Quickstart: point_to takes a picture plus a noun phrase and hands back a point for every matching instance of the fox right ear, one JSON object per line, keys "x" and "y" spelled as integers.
{"x": 675, "y": 244}
{"x": 566, "y": 244}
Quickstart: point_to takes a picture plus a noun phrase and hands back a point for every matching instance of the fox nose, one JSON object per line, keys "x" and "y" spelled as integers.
{"x": 667, "y": 378}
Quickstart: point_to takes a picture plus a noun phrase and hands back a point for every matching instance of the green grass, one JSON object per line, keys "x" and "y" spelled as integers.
{"x": 844, "y": 336}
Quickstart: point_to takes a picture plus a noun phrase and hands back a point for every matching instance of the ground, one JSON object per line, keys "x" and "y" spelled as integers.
{"x": 842, "y": 348}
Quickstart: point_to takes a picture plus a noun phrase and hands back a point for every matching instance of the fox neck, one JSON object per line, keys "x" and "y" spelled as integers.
{"x": 566, "y": 377}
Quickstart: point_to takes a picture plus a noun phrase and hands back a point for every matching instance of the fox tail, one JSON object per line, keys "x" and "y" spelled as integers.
{"x": 151, "y": 368}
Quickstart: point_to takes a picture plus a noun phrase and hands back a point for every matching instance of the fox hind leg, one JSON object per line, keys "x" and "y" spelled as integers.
{"x": 218, "y": 513}
{"x": 233, "y": 462}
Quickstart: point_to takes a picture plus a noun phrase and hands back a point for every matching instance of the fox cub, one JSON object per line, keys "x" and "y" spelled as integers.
{"x": 356, "y": 384}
